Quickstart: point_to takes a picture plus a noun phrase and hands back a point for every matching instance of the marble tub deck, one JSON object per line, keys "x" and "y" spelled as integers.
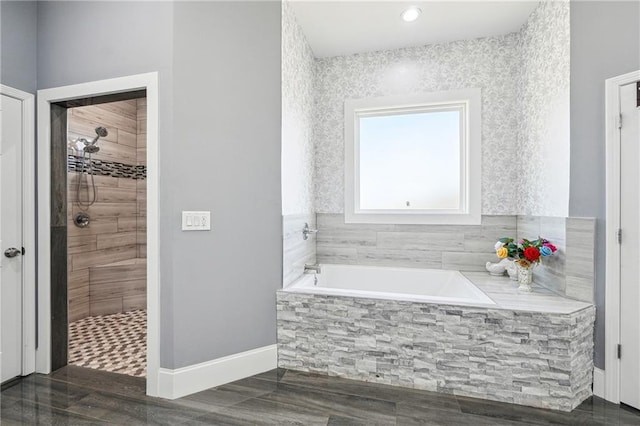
{"x": 505, "y": 293}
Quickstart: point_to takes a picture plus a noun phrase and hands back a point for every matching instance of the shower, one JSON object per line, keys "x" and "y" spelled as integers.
{"x": 88, "y": 147}
{"x": 104, "y": 289}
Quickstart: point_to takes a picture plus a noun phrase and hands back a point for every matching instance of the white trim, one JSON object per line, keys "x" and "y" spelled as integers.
{"x": 469, "y": 101}
{"x": 149, "y": 82}
{"x": 598, "y": 382}
{"x": 153, "y": 236}
{"x": 43, "y": 352}
{"x": 612, "y": 287}
{"x": 28, "y": 227}
{"x": 195, "y": 378}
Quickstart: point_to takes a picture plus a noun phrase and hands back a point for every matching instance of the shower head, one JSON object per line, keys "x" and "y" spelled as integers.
{"x": 100, "y": 132}
{"x": 91, "y": 149}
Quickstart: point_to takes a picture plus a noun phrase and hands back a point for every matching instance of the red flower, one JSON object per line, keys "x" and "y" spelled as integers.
{"x": 532, "y": 253}
{"x": 551, "y": 246}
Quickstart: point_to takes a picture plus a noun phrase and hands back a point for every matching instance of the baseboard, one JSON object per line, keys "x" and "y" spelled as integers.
{"x": 598, "y": 382}
{"x": 195, "y": 378}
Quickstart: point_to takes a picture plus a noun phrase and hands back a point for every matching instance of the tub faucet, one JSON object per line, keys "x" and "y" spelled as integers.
{"x": 312, "y": 269}
{"x": 306, "y": 231}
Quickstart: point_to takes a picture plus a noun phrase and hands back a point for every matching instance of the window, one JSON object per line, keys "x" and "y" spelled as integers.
{"x": 413, "y": 159}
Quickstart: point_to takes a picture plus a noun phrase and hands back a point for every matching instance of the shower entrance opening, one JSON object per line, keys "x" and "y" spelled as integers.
{"x": 106, "y": 234}
{"x": 98, "y": 293}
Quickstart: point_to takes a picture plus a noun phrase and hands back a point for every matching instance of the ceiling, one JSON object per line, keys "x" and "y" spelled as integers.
{"x": 335, "y": 28}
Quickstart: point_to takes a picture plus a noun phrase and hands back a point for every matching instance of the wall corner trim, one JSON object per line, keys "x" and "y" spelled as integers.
{"x": 184, "y": 381}
{"x": 598, "y": 382}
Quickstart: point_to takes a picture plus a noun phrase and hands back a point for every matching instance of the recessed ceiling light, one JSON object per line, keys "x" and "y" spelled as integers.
{"x": 411, "y": 14}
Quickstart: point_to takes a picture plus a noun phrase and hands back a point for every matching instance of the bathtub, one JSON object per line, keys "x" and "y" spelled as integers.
{"x": 435, "y": 330}
{"x": 408, "y": 284}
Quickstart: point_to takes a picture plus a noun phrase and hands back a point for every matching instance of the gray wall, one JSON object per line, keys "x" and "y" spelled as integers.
{"x": 87, "y": 41}
{"x": 78, "y": 42}
{"x": 219, "y": 72}
{"x": 18, "y": 29}
{"x": 605, "y": 42}
{"x": 227, "y": 159}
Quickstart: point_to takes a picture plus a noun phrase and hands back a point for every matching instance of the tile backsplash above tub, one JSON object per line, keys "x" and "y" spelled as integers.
{"x": 296, "y": 250}
{"x": 569, "y": 272}
{"x": 460, "y": 247}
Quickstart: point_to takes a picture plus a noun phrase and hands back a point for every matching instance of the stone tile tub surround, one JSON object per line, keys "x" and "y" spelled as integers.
{"x": 529, "y": 355}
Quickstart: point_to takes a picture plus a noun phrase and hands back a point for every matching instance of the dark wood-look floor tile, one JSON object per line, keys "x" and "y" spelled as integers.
{"x": 274, "y": 375}
{"x": 408, "y": 414}
{"x": 608, "y": 413}
{"x": 16, "y": 411}
{"x": 228, "y": 395}
{"x": 121, "y": 410}
{"x": 41, "y": 390}
{"x": 629, "y": 416}
{"x": 328, "y": 403}
{"x": 258, "y": 411}
{"x": 78, "y": 396}
{"x": 370, "y": 390}
{"x": 219, "y": 420}
{"x": 119, "y": 384}
{"x": 521, "y": 413}
{"x": 346, "y": 421}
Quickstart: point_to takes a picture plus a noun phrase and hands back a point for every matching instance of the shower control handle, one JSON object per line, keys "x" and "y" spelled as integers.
{"x": 12, "y": 252}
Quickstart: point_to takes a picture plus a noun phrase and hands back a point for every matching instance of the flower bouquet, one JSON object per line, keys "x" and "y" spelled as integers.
{"x": 526, "y": 254}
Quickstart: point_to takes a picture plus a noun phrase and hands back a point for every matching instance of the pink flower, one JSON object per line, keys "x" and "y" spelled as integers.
{"x": 551, "y": 246}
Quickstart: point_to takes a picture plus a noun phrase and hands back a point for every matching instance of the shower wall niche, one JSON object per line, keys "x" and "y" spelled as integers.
{"x": 107, "y": 258}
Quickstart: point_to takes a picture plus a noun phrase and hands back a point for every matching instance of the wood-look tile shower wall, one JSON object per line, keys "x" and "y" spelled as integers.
{"x": 117, "y": 232}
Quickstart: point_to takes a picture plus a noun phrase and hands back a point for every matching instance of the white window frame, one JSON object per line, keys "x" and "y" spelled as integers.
{"x": 471, "y": 156}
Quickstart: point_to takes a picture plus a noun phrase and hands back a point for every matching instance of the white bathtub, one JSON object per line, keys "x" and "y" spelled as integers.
{"x": 420, "y": 285}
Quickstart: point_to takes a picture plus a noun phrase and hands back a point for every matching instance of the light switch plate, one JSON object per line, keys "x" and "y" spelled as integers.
{"x": 196, "y": 221}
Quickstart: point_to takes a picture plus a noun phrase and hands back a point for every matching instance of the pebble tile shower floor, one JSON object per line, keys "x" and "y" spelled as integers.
{"x": 115, "y": 342}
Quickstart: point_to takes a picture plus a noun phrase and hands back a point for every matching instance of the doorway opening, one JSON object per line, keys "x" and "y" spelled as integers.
{"x": 106, "y": 233}
{"x": 122, "y": 221}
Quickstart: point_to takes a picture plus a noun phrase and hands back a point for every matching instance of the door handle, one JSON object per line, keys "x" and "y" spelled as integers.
{"x": 12, "y": 252}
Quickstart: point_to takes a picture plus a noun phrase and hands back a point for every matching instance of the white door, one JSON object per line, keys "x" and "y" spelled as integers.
{"x": 630, "y": 247}
{"x": 11, "y": 287}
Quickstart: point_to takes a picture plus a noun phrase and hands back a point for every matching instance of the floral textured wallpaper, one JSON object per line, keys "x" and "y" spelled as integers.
{"x": 488, "y": 63}
{"x": 524, "y": 80}
{"x": 297, "y": 117}
{"x": 543, "y": 120}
